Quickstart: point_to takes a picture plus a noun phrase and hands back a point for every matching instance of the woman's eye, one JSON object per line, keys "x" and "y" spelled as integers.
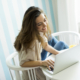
{"x": 39, "y": 24}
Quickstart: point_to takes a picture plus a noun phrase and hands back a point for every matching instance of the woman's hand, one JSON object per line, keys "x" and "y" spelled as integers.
{"x": 48, "y": 63}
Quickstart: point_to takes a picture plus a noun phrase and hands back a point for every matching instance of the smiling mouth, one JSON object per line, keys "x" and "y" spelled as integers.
{"x": 44, "y": 28}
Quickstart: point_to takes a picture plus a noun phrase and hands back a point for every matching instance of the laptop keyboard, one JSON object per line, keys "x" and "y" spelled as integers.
{"x": 51, "y": 69}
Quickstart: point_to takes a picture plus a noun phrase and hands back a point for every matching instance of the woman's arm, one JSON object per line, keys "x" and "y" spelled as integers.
{"x": 32, "y": 64}
{"x": 50, "y": 49}
{"x": 42, "y": 63}
{"x": 46, "y": 63}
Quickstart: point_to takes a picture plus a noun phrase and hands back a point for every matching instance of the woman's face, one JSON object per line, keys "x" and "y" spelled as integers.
{"x": 41, "y": 23}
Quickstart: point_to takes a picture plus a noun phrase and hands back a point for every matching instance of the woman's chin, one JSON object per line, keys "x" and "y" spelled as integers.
{"x": 45, "y": 31}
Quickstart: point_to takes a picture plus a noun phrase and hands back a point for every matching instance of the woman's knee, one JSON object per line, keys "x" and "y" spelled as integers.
{"x": 61, "y": 43}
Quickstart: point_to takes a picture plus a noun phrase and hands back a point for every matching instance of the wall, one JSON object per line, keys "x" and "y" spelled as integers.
{"x": 66, "y": 15}
{"x": 11, "y": 14}
{"x": 77, "y": 12}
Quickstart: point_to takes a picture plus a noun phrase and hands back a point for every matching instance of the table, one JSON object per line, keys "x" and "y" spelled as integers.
{"x": 70, "y": 73}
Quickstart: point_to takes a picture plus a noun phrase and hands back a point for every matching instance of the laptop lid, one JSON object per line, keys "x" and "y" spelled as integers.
{"x": 66, "y": 58}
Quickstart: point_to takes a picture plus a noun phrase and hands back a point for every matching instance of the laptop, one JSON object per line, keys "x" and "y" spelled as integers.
{"x": 65, "y": 59}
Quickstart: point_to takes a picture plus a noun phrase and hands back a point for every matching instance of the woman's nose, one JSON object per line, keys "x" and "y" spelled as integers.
{"x": 44, "y": 23}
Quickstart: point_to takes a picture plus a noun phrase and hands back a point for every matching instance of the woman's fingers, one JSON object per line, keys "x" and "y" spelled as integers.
{"x": 50, "y": 63}
{"x": 48, "y": 67}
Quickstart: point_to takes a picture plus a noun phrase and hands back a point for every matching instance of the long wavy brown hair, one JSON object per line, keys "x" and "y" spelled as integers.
{"x": 29, "y": 32}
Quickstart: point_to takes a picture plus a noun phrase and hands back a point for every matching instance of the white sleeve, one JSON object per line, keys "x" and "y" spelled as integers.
{"x": 29, "y": 56}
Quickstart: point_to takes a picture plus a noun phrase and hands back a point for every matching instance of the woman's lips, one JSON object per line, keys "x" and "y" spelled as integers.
{"x": 44, "y": 29}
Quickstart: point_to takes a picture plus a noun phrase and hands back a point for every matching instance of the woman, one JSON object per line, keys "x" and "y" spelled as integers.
{"x": 32, "y": 39}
